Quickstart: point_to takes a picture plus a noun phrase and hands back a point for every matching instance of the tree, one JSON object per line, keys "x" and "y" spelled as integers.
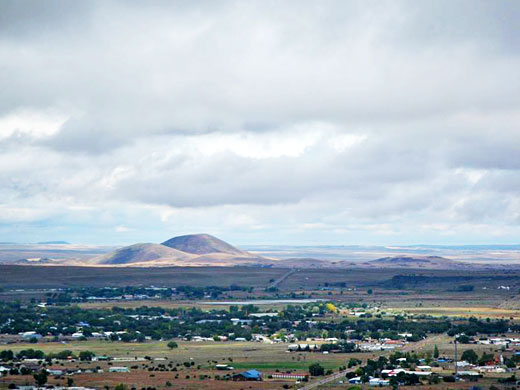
{"x": 70, "y": 382}
{"x": 470, "y": 356}
{"x": 41, "y": 378}
{"x": 6, "y": 355}
{"x": 172, "y": 345}
{"x": 121, "y": 386}
{"x": 436, "y": 352}
{"x": 114, "y": 337}
{"x": 86, "y": 355}
{"x": 316, "y": 369}
{"x": 330, "y": 307}
{"x": 486, "y": 358}
{"x": 369, "y": 291}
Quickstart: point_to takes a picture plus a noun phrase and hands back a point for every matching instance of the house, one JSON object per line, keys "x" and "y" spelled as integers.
{"x": 238, "y": 321}
{"x": 251, "y": 375}
{"x": 260, "y": 315}
{"x": 54, "y": 372}
{"x": 356, "y": 380}
{"x": 291, "y": 375}
{"x": 100, "y": 358}
{"x": 118, "y": 369}
{"x": 378, "y": 382}
{"x": 223, "y": 367}
{"x": 4, "y": 370}
{"x": 33, "y": 367}
{"x": 469, "y": 374}
{"x": 491, "y": 369}
{"x": 31, "y": 335}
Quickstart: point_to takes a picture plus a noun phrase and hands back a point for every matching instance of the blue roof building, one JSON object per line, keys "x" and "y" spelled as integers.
{"x": 251, "y": 375}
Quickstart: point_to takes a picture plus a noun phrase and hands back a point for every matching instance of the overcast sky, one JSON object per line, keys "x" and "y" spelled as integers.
{"x": 262, "y": 122}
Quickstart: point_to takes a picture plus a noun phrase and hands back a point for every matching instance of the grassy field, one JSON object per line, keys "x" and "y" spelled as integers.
{"x": 14, "y": 276}
{"x": 243, "y": 354}
{"x": 482, "y": 312}
{"x": 172, "y": 304}
{"x": 32, "y": 277}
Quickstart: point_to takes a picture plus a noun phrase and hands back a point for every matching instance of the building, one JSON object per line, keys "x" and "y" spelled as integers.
{"x": 396, "y": 371}
{"x": 251, "y": 375}
{"x": 260, "y": 315}
{"x": 118, "y": 369}
{"x": 303, "y": 347}
{"x": 54, "y": 372}
{"x": 291, "y": 375}
{"x": 31, "y": 335}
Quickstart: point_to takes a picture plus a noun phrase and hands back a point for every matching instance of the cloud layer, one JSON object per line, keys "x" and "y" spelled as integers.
{"x": 263, "y": 122}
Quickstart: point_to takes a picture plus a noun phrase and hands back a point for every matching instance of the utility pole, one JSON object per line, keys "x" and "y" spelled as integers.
{"x": 456, "y": 358}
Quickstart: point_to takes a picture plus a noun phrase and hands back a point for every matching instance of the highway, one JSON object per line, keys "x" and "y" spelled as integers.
{"x": 277, "y": 282}
{"x": 327, "y": 379}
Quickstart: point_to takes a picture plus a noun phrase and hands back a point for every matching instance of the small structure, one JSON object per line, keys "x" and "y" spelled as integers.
{"x": 251, "y": 375}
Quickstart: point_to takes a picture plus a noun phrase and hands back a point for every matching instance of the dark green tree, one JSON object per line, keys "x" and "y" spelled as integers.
{"x": 41, "y": 378}
{"x": 470, "y": 356}
{"x": 316, "y": 369}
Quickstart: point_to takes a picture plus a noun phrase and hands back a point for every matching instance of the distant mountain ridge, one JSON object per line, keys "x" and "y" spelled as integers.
{"x": 200, "y": 250}
{"x": 406, "y": 261}
{"x": 193, "y": 249}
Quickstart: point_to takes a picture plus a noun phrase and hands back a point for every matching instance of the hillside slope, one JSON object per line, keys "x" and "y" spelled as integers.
{"x": 141, "y": 253}
{"x": 203, "y": 244}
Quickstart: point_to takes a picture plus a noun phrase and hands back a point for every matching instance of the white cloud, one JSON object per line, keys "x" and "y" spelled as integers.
{"x": 33, "y": 123}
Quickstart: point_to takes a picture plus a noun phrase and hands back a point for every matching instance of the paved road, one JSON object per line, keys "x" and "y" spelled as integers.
{"x": 277, "y": 282}
{"x": 327, "y": 379}
{"x": 429, "y": 341}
